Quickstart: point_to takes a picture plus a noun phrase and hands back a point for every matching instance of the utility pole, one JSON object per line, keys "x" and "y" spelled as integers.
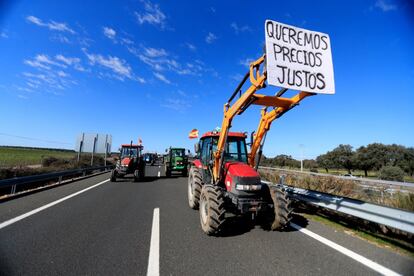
{"x": 80, "y": 146}
{"x": 94, "y": 148}
{"x": 301, "y": 157}
{"x": 106, "y": 147}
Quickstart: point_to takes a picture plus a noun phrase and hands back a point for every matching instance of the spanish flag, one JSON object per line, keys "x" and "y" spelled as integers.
{"x": 193, "y": 134}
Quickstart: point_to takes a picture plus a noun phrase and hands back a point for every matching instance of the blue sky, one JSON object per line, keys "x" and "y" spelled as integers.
{"x": 157, "y": 69}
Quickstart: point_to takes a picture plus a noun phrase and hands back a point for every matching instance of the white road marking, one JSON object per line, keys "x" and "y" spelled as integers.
{"x": 361, "y": 259}
{"x": 154, "y": 253}
{"x": 37, "y": 210}
{"x": 159, "y": 167}
{"x": 159, "y": 173}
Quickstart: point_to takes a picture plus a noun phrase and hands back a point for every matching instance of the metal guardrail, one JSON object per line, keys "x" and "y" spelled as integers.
{"x": 16, "y": 181}
{"x": 360, "y": 180}
{"x": 396, "y": 218}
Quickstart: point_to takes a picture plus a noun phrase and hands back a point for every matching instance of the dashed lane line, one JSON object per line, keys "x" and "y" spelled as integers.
{"x": 154, "y": 253}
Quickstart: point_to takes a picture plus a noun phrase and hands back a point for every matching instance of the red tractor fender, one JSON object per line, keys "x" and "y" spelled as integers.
{"x": 197, "y": 163}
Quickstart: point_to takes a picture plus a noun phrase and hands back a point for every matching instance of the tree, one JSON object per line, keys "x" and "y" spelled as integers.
{"x": 364, "y": 160}
{"x": 343, "y": 156}
{"x": 325, "y": 162}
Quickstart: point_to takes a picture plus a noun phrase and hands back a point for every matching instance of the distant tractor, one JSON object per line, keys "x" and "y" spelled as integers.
{"x": 176, "y": 160}
{"x": 131, "y": 161}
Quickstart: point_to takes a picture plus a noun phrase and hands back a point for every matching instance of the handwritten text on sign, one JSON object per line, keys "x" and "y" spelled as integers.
{"x": 298, "y": 59}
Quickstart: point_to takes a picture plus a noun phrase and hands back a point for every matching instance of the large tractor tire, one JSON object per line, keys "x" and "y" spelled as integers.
{"x": 184, "y": 172}
{"x": 113, "y": 176}
{"x": 281, "y": 215}
{"x": 194, "y": 188}
{"x": 139, "y": 175}
{"x": 212, "y": 210}
{"x": 167, "y": 172}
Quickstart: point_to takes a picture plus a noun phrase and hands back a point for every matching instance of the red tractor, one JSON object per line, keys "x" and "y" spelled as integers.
{"x": 131, "y": 161}
{"x": 223, "y": 178}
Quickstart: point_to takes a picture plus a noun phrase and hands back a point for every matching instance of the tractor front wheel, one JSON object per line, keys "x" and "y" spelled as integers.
{"x": 281, "y": 215}
{"x": 113, "y": 176}
{"x": 167, "y": 172}
{"x": 194, "y": 188}
{"x": 212, "y": 210}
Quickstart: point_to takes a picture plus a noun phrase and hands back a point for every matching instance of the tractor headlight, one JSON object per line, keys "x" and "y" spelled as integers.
{"x": 255, "y": 187}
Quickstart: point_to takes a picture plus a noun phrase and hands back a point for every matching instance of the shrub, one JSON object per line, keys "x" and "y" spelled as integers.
{"x": 49, "y": 161}
{"x": 314, "y": 170}
{"x": 393, "y": 173}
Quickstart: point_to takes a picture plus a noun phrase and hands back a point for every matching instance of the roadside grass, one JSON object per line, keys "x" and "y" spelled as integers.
{"x": 397, "y": 245}
{"x": 357, "y": 173}
{"x": 15, "y": 157}
{"x": 342, "y": 187}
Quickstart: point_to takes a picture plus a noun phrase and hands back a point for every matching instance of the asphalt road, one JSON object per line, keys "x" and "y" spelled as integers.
{"x": 108, "y": 230}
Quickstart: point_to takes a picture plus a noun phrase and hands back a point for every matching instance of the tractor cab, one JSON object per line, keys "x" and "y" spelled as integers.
{"x": 128, "y": 152}
{"x": 237, "y": 174}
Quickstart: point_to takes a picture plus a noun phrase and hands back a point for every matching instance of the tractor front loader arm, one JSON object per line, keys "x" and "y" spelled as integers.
{"x": 230, "y": 111}
{"x": 279, "y": 104}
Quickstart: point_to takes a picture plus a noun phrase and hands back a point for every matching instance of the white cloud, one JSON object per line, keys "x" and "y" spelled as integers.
{"x": 240, "y": 29}
{"x": 153, "y": 52}
{"x": 191, "y": 46}
{"x": 109, "y": 33}
{"x": 42, "y": 61}
{"x": 62, "y": 74}
{"x": 52, "y": 25}
{"x": 176, "y": 104}
{"x": 71, "y": 61}
{"x": 162, "y": 78}
{"x": 384, "y": 6}
{"x": 210, "y": 38}
{"x": 61, "y": 38}
{"x": 117, "y": 65}
{"x": 67, "y": 60}
{"x": 3, "y": 35}
{"x": 246, "y": 62}
{"x": 152, "y": 14}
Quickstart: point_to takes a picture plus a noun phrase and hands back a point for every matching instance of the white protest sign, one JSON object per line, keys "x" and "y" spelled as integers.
{"x": 298, "y": 59}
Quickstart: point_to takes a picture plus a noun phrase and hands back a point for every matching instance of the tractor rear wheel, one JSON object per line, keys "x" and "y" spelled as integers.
{"x": 281, "y": 214}
{"x": 139, "y": 175}
{"x": 212, "y": 210}
{"x": 194, "y": 188}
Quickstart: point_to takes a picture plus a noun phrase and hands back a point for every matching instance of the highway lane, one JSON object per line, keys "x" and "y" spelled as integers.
{"x": 107, "y": 230}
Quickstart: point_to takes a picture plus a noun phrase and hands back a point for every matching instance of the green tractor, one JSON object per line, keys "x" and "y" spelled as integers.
{"x": 176, "y": 160}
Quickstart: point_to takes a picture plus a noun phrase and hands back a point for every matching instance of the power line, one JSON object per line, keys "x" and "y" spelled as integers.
{"x": 35, "y": 139}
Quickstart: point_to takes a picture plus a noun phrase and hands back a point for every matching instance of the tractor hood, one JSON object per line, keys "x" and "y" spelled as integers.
{"x": 125, "y": 161}
{"x": 238, "y": 173}
{"x": 240, "y": 169}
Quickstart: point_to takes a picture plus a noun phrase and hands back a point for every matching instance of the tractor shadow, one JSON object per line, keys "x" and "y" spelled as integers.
{"x": 236, "y": 226}
{"x": 146, "y": 179}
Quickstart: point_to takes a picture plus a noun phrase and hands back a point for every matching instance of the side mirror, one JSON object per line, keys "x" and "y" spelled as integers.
{"x": 196, "y": 148}
{"x": 166, "y": 150}
{"x": 251, "y": 137}
{"x": 188, "y": 151}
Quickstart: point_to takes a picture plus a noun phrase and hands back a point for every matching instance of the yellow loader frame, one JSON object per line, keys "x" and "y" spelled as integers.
{"x": 278, "y": 104}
